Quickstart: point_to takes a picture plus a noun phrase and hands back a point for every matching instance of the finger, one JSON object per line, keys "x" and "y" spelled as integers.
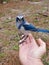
{"x": 27, "y": 40}
{"x": 41, "y": 43}
{"x": 32, "y": 40}
{"x": 21, "y": 45}
{"x": 23, "y": 41}
{"x": 42, "y": 48}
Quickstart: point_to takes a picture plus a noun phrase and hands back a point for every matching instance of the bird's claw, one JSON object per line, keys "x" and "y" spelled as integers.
{"x": 23, "y": 39}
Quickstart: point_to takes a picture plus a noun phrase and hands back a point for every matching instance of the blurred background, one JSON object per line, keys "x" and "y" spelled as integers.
{"x": 35, "y": 12}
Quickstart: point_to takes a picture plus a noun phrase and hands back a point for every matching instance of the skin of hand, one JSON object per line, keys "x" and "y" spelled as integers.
{"x": 31, "y": 51}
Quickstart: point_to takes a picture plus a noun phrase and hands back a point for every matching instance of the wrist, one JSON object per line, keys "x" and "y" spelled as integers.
{"x": 34, "y": 61}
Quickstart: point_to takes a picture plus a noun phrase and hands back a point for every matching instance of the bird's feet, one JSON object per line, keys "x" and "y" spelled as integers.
{"x": 23, "y": 38}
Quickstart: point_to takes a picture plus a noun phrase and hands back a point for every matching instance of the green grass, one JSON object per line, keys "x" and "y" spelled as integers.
{"x": 17, "y": 38}
{"x": 7, "y": 32}
{"x": 6, "y": 42}
{"x": 8, "y": 20}
{"x": 15, "y": 47}
{"x": 44, "y": 59}
{"x": 36, "y": 20}
{"x": 2, "y": 55}
{"x": 45, "y": 39}
{"x": 46, "y": 63}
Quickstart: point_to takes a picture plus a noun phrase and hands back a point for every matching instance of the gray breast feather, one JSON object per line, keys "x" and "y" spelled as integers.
{"x": 22, "y": 28}
{"x": 25, "y": 32}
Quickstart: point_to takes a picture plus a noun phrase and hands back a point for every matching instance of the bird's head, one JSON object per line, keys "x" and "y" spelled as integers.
{"x": 19, "y": 20}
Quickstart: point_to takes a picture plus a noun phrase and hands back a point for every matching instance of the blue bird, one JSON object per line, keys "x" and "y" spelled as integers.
{"x": 23, "y": 25}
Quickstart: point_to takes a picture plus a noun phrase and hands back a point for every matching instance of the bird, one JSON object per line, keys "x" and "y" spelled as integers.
{"x": 24, "y": 26}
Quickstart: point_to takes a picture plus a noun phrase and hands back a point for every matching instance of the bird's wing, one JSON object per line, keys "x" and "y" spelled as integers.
{"x": 29, "y": 27}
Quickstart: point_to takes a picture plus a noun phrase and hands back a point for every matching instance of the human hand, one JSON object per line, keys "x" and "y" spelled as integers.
{"x": 30, "y": 51}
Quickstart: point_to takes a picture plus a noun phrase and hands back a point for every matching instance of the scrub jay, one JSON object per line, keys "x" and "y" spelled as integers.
{"x": 23, "y": 26}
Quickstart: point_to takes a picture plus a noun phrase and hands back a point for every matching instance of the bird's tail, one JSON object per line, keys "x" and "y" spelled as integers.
{"x": 42, "y": 30}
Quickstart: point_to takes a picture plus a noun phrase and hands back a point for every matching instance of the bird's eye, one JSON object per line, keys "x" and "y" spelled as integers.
{"x": 23, "y": 19}
{"x": 17, "y": 19}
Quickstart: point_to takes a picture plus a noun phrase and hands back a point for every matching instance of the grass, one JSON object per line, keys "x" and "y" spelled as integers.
{"x": 44, "y": 38}
{"x": 15, "y": 47}
{"x": 2, "y": 55}
{"x": 36, "y": 20}
{"x": 2, "y": 14}
{"x": 44, "y": 60}
{"x": 7, "y": 32}
{"x": 10, "y": 28}
{"x": 6, "y": 42}
{"x": 17, "y": 38}
{"x": 46, "y": 63}
{"x": 8, "y": 20}
{"x": 6, "y": 0}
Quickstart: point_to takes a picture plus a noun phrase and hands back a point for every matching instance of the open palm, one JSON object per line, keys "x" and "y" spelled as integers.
{"x": 30, "y": 49}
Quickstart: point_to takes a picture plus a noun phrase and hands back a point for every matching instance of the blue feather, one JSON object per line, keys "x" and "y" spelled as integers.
{"x": 42, "y": 30}
{"x": 31, "y": 27}
{"x": 28, "y": 26}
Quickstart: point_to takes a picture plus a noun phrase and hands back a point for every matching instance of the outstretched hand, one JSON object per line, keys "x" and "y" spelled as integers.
{"x": 31, "y": 50}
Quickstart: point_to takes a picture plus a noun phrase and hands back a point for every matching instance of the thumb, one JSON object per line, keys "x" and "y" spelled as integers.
{"x": 41, "y": 43}
{"x": 42, "y": 47}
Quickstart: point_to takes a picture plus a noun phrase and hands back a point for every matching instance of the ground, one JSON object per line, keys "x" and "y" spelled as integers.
{"x": 36, "y": 13}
